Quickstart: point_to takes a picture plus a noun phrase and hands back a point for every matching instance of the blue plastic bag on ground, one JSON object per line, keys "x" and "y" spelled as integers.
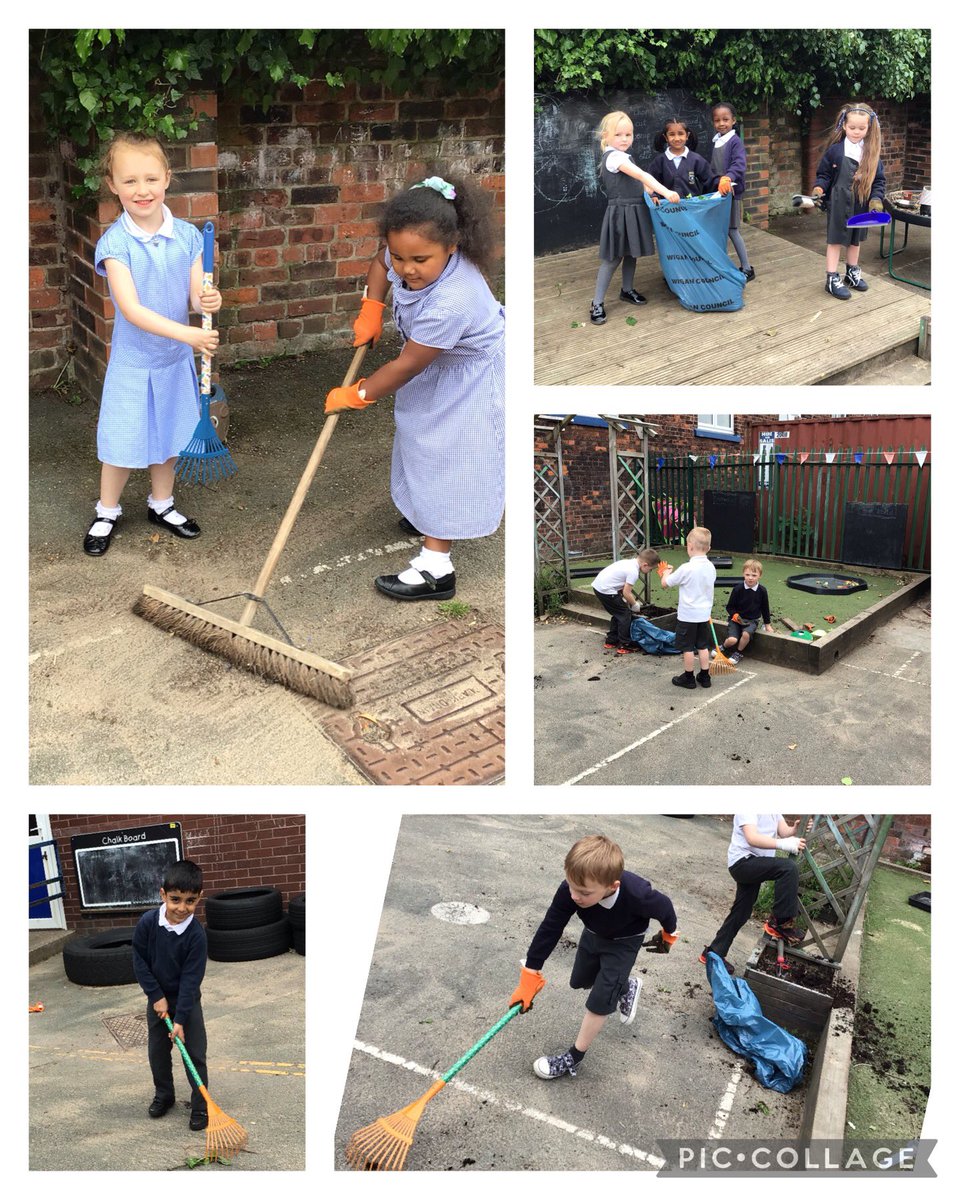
{"x": 777, "y": 1056}
{"x": 652, "y": 638}
{"x": 692, "y": 245}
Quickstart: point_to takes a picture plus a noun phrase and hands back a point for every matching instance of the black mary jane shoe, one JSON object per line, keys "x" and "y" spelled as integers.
{"x": 98, "y": 544}
{"x": 189, "y": 529}
{"x": 748, "y": 273}
{"x": 632, "y": 297}
{"x": 159, "y": 1107}
{"x": 409, "y": 527}
{"x": 198, "y": 1120}
{"x": 443, "y": 588}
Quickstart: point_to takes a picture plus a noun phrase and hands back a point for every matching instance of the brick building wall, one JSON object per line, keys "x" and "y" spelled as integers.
{"x": 49, "y": 326}
{"x": 910, "y": 840}
{"x": 233, "y": 851}
{"x": 295, "y": 195}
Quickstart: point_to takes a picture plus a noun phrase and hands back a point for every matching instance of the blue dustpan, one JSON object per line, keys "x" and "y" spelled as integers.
{"x": 867, "y": 219}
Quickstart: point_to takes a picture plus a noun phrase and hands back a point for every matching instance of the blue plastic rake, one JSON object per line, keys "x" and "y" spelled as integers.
{"x": 205, "y": 459}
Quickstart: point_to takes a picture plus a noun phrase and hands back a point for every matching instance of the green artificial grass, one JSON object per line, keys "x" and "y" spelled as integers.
{"x": 890, "y": 1071}
{"x": 801, "y": 607}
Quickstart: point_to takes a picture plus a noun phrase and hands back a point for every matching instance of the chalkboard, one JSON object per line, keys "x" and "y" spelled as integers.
{"x": 124, "y": 868}
{"x": 873, "y": 534}
{"x": 568, "y": 199}
{"x": 730, "y": 518}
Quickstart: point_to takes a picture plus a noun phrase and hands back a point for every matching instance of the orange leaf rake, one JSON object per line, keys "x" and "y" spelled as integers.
{"x": 225, "y": 1136}
{"x": 721, "y": 665}
{"x": 383, "y": 1145}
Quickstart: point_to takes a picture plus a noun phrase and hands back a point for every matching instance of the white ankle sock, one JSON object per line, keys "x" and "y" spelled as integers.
{"x": 172, "y": 518}
{"x": 101, "y": 528}
{"x": 437, "y": 562}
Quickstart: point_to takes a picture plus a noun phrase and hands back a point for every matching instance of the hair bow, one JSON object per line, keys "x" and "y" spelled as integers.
{"x": 446, "y": 190}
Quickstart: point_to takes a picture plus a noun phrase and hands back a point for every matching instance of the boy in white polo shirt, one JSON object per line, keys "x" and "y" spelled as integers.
{"x": 613, "y": 587}
{"x": 695, "y": 580}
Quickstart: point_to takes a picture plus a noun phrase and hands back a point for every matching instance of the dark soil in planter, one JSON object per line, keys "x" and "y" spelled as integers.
{"x": 825, "y": 980}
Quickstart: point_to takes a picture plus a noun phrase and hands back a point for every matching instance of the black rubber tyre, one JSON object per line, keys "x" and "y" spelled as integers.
{"x": 243, "y": 908}
{"x": 297, "y": 911}
{"x": 300, "y": 941}
{"x": 100, "y": 959}
{"x": 245, "y": 945}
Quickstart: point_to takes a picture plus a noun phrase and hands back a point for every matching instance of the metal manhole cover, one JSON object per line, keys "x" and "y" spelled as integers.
{"x": 130, "y": 1032}
{"x": 429, "y": 707}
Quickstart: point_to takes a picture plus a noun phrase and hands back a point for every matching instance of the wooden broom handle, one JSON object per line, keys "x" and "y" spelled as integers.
{"x": 293, "y": 509}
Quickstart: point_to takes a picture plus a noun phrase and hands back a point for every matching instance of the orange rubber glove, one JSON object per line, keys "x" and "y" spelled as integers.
{"x": 736, "y": 617}
{"x": 661, "y": 942}
{"x": 530, "y": 983}
{"x": 725, "y": 185}
{"x": 663, "y": 568}
{"x": 339, "y": 398}
{"x": 369, "y": 324}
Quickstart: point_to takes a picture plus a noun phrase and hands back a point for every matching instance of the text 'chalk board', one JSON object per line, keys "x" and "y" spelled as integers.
{"x": 873, "y": 534}
{"x": 124, "y": 868}
{"x": 730, "y": 518}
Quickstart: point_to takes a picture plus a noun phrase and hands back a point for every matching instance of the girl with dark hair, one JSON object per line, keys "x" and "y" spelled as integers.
{"x": 447, "y": 474}
{"x": 729, "y": 159}
{"x": 678, "y": 166}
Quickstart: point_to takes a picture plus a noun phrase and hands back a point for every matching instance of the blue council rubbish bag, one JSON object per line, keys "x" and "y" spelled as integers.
{"x": 692, "y": 245}
{"x": 777, "y": 1056}
{"x": 653, "y": 639}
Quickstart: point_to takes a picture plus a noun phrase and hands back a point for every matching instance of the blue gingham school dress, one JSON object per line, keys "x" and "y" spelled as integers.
{"x": 447, "y": 474}
{"x": 150, "y": 401}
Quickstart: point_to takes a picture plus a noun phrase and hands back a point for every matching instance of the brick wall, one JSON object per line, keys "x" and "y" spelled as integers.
{"x": 295, "y": 193}
{"x": 49, "y": 332}
{"x": 910, "y": 840}
{"x": 906, "y": 140}
{"x": 233, "y": 851}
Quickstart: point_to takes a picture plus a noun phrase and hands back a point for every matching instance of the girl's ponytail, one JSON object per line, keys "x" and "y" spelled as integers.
{"x": 453, "y": 211}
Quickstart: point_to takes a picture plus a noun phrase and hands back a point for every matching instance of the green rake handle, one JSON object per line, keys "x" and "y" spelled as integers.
{"x": 475, "y": 1049}
{"x": 186, "y": 1057}
{"x": 713, "y": 633}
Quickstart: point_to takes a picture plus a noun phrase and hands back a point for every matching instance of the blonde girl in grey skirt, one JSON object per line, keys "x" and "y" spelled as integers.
{"x": 626, "y": 233}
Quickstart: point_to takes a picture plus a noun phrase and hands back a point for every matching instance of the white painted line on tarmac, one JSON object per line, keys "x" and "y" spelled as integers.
{"x": 745, "y": 676}
{"x": 726, "y": 1104}
{"x": 514, "y": 1106}
{"x": 76, "y": 644}
{"x": 889, "y": 674}
{"x": 359, "y": 556}
{"x": 915, "y": 654}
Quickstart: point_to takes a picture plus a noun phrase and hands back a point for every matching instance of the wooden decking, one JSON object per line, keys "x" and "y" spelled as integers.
{"x": 789, "y": 330}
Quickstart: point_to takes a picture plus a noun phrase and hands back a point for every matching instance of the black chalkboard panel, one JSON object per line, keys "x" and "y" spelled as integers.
{"x": 123, "y": 868}
{"x": 730, "y": 518}
{"x": 568, "y": 199}
{"x": 873, "y": 534}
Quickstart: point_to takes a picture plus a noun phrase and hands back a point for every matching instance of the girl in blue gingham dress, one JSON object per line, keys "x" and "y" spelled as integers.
{"x": 447, "y": 474}
{"x": 149, "y": 408}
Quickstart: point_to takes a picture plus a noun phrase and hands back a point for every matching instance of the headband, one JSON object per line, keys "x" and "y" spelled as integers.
{"x": 845, "y": 112}
{"x": 446, "y": 190}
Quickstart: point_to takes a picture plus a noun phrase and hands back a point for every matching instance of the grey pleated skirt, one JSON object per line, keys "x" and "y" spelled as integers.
{"x": 626, "y": 231}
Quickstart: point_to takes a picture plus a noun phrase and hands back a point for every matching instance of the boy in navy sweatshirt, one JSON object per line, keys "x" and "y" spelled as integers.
{"x": 748, "y": 605}
{"x": 615, "y": 907}
{"x": 170, "y": 958}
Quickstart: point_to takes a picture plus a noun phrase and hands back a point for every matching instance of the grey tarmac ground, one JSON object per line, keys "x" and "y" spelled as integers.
{"x": 435, "y": 987}
{"x": 866, "y": 719}
{"x": 89, "y": 1097}
{"x": 115, "y": 700}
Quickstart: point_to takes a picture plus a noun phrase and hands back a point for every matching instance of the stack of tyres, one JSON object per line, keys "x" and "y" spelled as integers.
{"x": 297, "y": 912}
{"x": 246, "y": 923}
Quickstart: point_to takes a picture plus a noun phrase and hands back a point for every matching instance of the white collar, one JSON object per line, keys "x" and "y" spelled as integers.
{"x": 674, "y": 157}
{"x": 753, "y": 588}
{"x": 719, "y": 141}
{"x": 177, "y": 929}
{"x": 852, "y": 149}
{"x": 165, "y": 230}
{"x": 609, "y": 901}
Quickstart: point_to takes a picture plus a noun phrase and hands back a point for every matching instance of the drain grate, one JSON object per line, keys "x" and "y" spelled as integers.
{"x": 429, "y": 708}
{"x": 130, "y": 1032}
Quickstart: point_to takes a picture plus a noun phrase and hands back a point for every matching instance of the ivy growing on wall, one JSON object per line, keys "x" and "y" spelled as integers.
{"x": 792, "y": 67}
{"x": 93, "y": 82}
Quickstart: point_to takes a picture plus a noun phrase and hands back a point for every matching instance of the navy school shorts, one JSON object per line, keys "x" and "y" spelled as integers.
{"x": 604, "y": 965}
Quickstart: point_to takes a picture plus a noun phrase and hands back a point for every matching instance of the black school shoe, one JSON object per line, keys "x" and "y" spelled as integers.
{"x": 598, "y": 314}
{"x": 703, "y": 678}
{"x": 198, "y": 1120}
{"x": 632, "y": 297}
{"x": 409, "y": 527}
{"x": 98, "y": 545}
{"x": 159, "y": 1107}
{"x": 443, "y": 588}
{"x": 684, "y": 680}
{"x": 189, "y": 529}
{"x": 748, "y": 274}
